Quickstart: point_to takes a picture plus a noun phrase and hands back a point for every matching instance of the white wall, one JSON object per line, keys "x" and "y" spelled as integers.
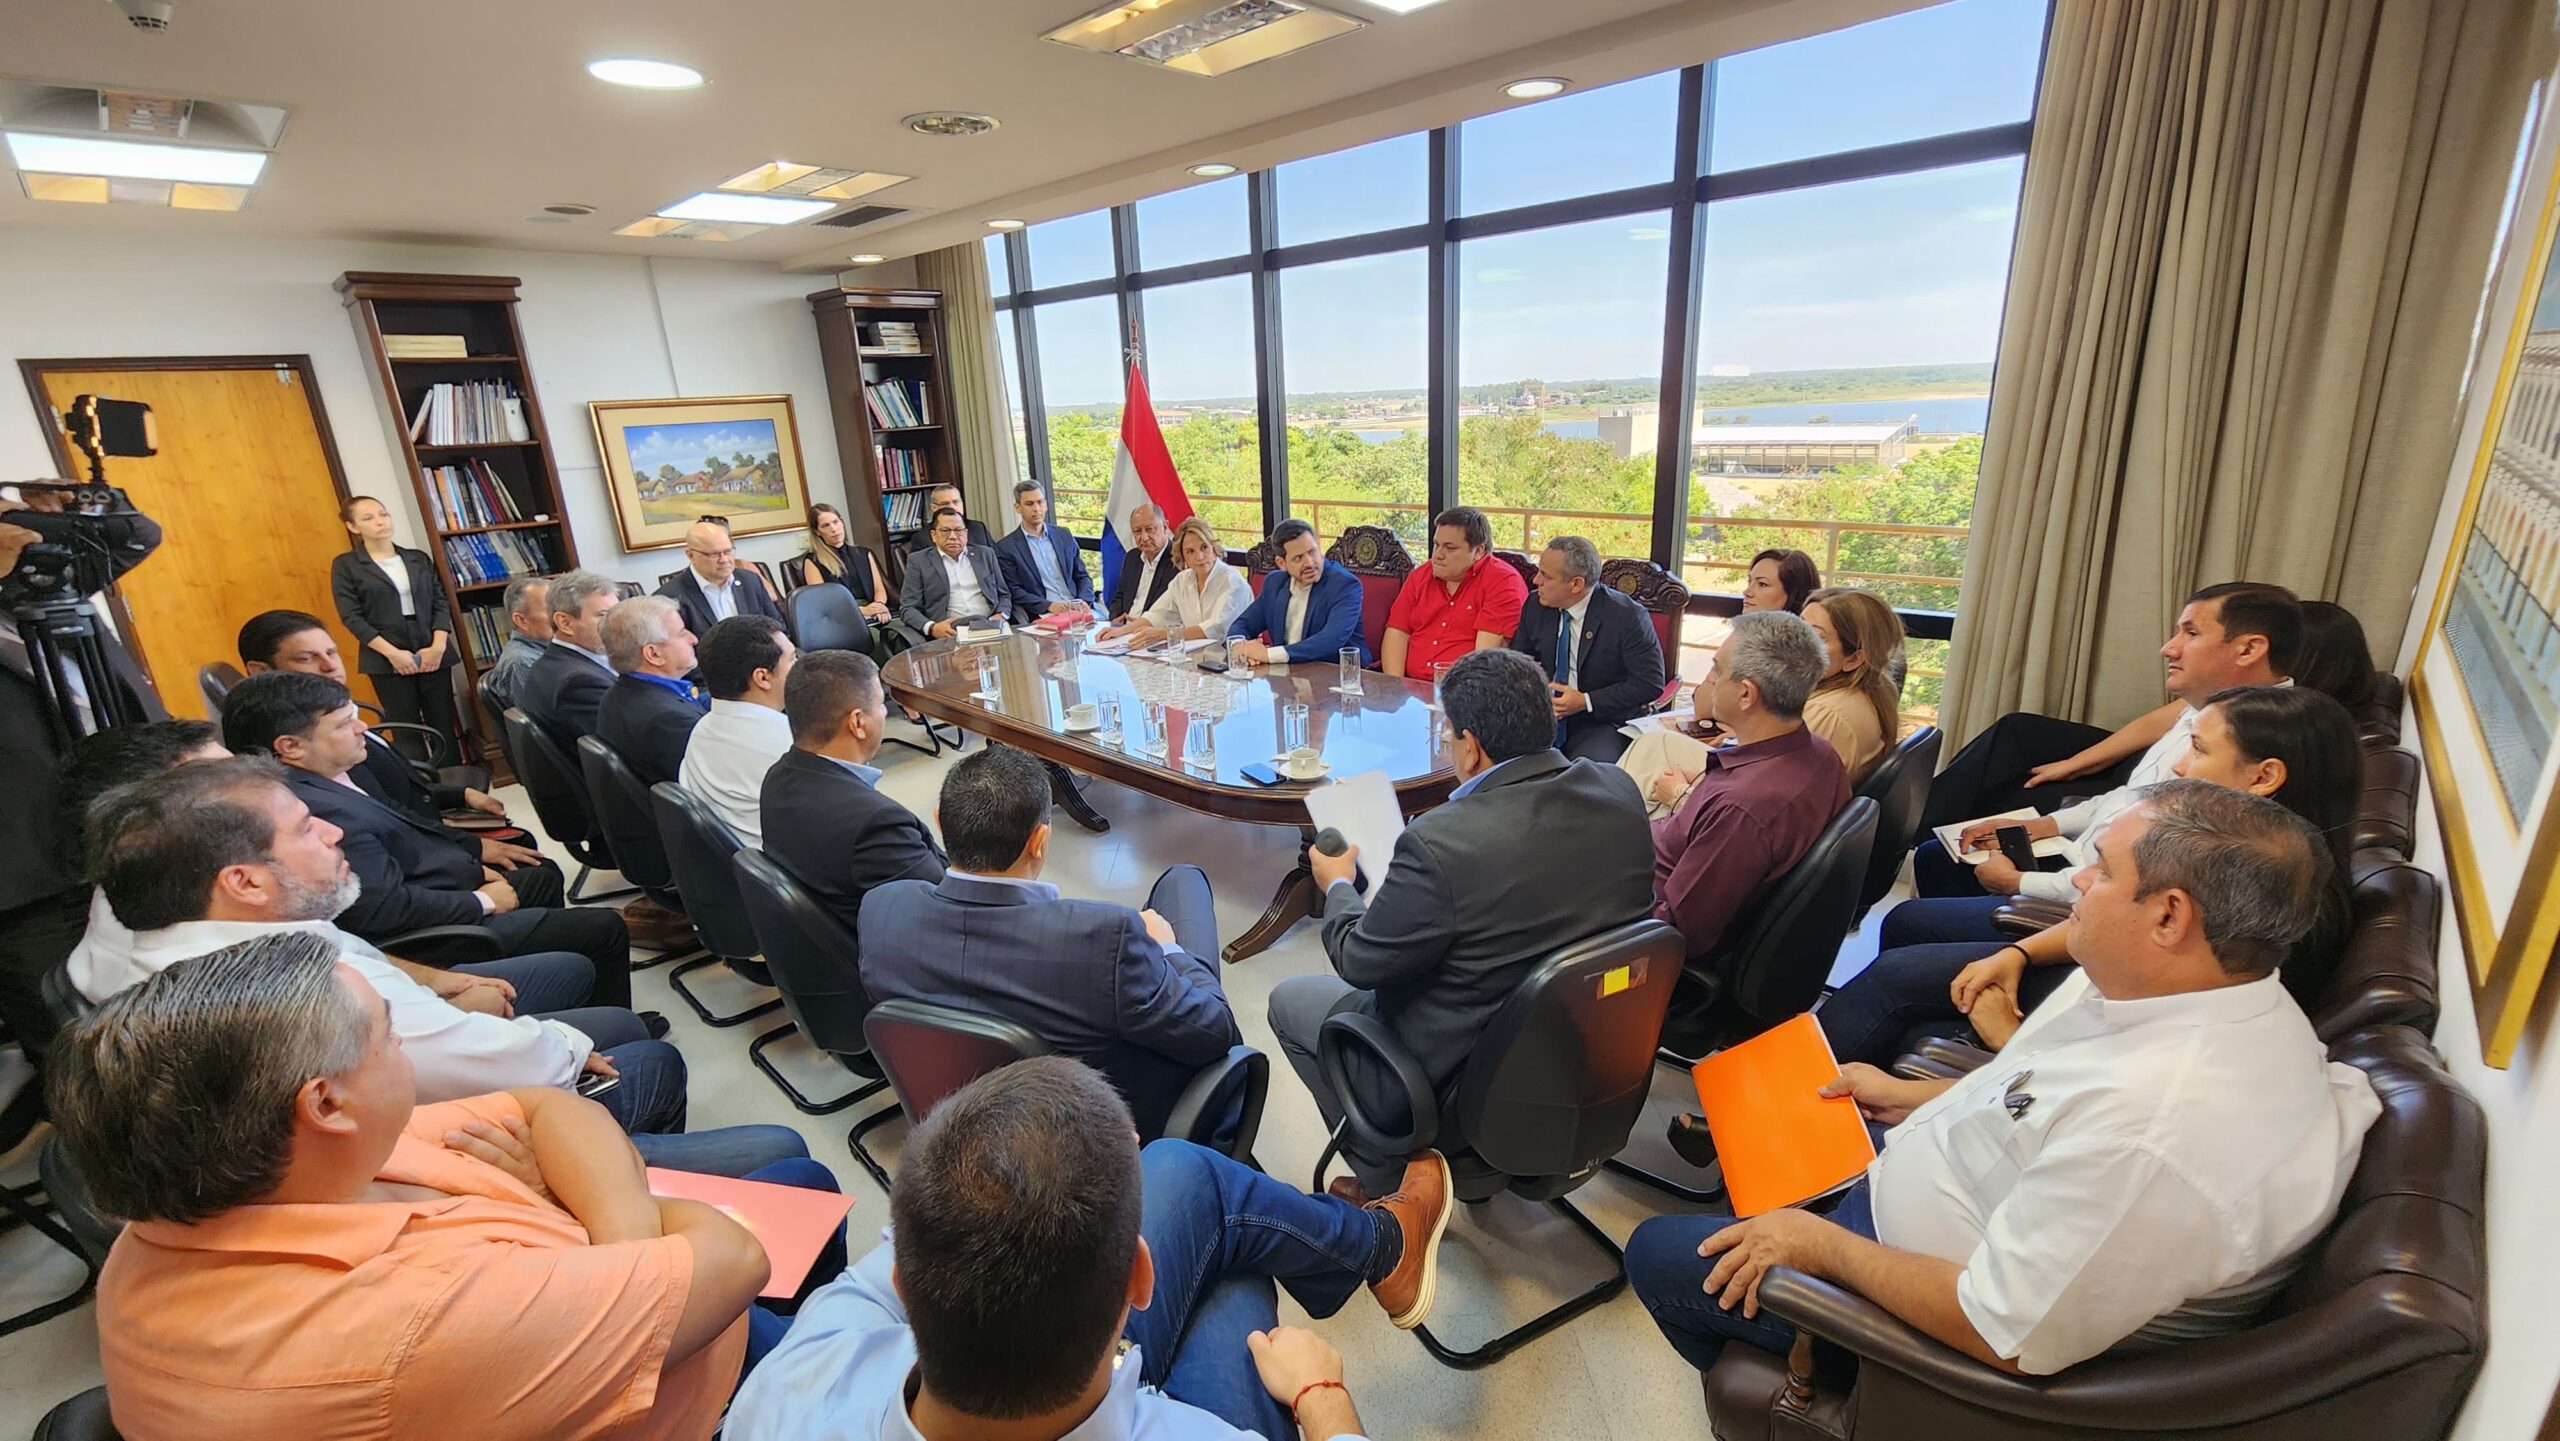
{"x": 595, "y": 328}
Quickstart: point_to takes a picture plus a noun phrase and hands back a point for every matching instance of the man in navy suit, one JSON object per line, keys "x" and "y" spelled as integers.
{"x": 1043, "y": 566}
{"x": 1309, "y": 608}
{"x": 1615, "y": 670}
{"x": 712, "y": 586}
{"x": 824, "y": 818}
{"x": 650, "y": 711}
{"x": 1134, "y": 994}
{"x": 415, "y": 874}
{"x": 562, "y": 691}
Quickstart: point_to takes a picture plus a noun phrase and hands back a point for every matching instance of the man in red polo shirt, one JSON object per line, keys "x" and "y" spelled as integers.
{"x": 1465, "y": 600}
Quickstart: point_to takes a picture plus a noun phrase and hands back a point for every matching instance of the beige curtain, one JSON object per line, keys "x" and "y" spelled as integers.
{"x": 981, "y": 406}
{"x": 2250, "y": 255}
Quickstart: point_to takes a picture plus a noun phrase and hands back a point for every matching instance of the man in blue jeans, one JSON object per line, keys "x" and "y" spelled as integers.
{"x": 1044, "y": 1272}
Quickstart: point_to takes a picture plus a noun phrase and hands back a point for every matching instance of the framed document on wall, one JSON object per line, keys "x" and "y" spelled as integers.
{"x": 2487, "y": 682}
{"x": 669, "y": 463}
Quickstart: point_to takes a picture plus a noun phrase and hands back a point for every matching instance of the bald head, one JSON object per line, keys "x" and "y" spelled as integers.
{"x": 713, "y": 555}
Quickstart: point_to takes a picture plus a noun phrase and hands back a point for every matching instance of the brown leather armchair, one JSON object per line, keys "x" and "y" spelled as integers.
{"x": 2378, "y": 720}
{"x": 2377, "y": 1337}
{"x": 2387, "y": 814}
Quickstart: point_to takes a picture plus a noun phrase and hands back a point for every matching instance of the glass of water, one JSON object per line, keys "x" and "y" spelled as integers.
{"x": 1350, "y": 670}
{"x": 1151, "y": 729}
{"x": 1293, "y": 727}
{"x": 1106, "y": 719}
{"x": 990, "y": 677}
{"x": 1200, "y": 743}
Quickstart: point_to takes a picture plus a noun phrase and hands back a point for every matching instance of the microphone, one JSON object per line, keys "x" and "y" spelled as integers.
{"x": 1330, "y": 842}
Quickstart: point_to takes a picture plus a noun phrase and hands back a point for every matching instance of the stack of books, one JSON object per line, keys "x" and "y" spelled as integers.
{"x": 903, "y": 510}
{"x": 500, "y": 555}
{"x": 898, "y": 466}
{"x": 895, "y": 337}
{"x": 469, "y": 412}
{"x": 897, "y": 403}
{"x": 425, "y": 347}
{"x": 484, "y": 631}
{"x": 471, "y": 494}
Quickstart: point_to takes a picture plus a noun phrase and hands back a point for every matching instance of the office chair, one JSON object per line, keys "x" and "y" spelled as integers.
{"x": 82, "y": 1418}
{"x": 699, "y": 846}
{"x": 630, "y": 825}
{"x": 560, "y": 802}
{"x": 929, "y": 1051}
{"x": 215, "y": 679}
{"x": 816, "y": 964}
{"x": 1899, "y": 785}
{"x": 1772, "y": 964}
{"x": 1549, "y": 1094}
{"x": 827, "y": 617}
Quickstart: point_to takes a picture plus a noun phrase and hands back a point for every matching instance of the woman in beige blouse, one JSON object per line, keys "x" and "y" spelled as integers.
{"x": 1199, "y": 602}
{"x": 1854, "y": 708}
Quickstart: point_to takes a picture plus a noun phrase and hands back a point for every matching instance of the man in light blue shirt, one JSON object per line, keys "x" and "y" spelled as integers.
{"x": 1043, "y": 1272}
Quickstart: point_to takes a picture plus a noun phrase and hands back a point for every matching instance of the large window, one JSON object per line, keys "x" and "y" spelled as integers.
{"x": 1802, "y": 360}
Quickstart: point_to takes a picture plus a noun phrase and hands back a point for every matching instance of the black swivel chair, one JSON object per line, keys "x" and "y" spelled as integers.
{"x": 816, "y": 964}
{"x": 827, "y": 617}
{"x": 82, "y": 1418}
{"x": 699, "y": 846}
{"x": 629, "y": 822}
{"x": 929, "y": 1051}
{"x": 1899, "y": 785}
{"x": 1772, "y": 964}
{"x": 560, "y": 802}
{"x": 1548, "y": 1096}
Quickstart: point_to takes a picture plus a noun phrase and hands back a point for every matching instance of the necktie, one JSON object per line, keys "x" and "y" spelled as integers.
{"x": 1564, "y": 648}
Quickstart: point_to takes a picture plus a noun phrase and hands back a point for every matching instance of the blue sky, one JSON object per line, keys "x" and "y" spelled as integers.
{"x": 1905, "y": 270}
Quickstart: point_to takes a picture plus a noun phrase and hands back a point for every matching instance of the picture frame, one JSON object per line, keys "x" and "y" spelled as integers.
{"x": 2486, "y": 686}
{"x": 670, "y": 462}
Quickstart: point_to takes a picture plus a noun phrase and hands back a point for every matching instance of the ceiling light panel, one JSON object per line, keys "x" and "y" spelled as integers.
{"x": 820, "y": 182}
{"x": 660, "y": 227}
{"x": 133, "y": 159}
{"x": 1404, "y": 7}
{"x": 751, "y": 209}
{"x": 1204, "y": 37}
{"x": 645, "y": 74}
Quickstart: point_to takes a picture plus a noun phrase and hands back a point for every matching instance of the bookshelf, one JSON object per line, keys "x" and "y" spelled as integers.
{"x": 484, "y": 474}
{"x": 890, "y": 390}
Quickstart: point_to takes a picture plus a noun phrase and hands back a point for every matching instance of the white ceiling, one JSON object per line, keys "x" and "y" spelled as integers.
{"x": 452, "y": 120}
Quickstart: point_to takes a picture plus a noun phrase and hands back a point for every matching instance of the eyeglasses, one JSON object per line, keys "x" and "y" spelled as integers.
{"x": 712, "y": 554}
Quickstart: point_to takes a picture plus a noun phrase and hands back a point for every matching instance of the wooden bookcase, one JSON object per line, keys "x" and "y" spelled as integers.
{"x": 482, "y": 310}
{"x": 847, "y": 333}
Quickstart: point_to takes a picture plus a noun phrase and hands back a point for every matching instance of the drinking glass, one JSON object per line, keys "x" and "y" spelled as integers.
{"x": 1151, "y": 729}
{"x": 990, "y": 677}
{"x": 1350, "y": 670}
{"x": 1106, "y": 719}
{"x": 1293, "y": 727}
{"x": 1200, "y": 743}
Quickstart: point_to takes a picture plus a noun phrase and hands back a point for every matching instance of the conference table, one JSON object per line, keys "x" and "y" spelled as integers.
{"x": 1391, "y": 725}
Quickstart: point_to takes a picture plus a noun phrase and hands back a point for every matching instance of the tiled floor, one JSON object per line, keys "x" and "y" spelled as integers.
{"x": 1606, "y": 1375}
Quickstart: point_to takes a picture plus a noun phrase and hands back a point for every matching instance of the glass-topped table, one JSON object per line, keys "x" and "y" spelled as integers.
{"x": 1021, "y": 689}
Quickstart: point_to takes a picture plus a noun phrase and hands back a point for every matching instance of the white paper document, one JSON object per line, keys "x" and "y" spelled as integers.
{"x": 1657, "y": 721}
{"x": 1949, "y": 834}
{"x": 1364, "y": 809}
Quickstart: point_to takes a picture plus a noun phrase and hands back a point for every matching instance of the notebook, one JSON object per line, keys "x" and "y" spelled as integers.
{"x": 1948, "y": 835}
{"x": 792, "y": 1222}
{"x": 1781, "y": 1141}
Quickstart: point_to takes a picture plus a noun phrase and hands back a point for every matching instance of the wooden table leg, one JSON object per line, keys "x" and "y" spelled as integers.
{"x": 1293, "y": 902}
{"x": 1070, "y": 798}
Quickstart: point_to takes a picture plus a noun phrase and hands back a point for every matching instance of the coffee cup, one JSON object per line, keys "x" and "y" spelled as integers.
{"x": 1304, "y": 761}
{"x": 1081, "y": 715}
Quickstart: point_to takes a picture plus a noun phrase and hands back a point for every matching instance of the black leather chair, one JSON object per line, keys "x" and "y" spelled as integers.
{"x": 82, "y": 1418}
{"x": 699, "y": 846}
{"x": 2377, "y": 1337}
{"x": 560, "y": 802}
{"x": 629, "y": 826}
{"x": 929, "y": 1051}
{"x": 1899, "y": 785}
{"x": 827, "y": 617}
{"x": 1771, "y": 965}
{"x": 2378, "y": 720}
{"x": 215, "y": 680}
{"x": 2387, "y": 811}
{"x": 816, "y": 964}
{"x": 1546, "y": 1098}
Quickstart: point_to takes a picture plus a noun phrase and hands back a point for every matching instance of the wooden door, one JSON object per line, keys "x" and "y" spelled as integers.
{"x": 246, "y": 488}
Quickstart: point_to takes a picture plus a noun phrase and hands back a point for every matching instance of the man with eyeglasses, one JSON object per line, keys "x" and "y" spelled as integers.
{"x": 713, "y": 586}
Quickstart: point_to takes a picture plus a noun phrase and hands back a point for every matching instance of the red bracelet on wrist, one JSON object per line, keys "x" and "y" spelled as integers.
{"x": 1310, "y": 1386}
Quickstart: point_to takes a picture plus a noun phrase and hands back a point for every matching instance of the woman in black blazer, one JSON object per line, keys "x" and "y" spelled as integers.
{"x": 389, "y": 596}
{"x": 832, "y": 556}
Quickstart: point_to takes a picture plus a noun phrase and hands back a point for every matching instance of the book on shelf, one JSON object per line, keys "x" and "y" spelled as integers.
{"x": 426, "y": 347}
{"x": 471, "y": 494}
{"x": 484, "y": 632}
{"x": 469, "y": 412}
{"x": 903, "y": 510}
{"x": 897, "y": 403}
{"x": 501, "y": 555}
{"x": 898, "y": 466}
{"x": 892, "y": 337}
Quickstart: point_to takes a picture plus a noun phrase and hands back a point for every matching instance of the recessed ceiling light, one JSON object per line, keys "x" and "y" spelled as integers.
{"x": 645, "y": 74}
{"x": 753, "y": 209}
{"x": 1004, "y": 225}
{"x": 865, "y": 258}
{"x": 1204, "y": 37}
{"x": 1537, "y": 89}
{"x": 134, "y": 160}
{"x": 1215, "y": 170}
{"x": 570, "y": 208}
{"x": 950, "y": 124}
{"x": 819, "y": 182}
{"x": 1403, "y": 7}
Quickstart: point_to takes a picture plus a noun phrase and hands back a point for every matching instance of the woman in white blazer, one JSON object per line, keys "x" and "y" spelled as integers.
{"x": 1199, "y": 602}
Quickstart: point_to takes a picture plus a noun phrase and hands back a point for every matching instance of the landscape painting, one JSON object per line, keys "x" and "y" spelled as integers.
{"x": 669, "y": 463}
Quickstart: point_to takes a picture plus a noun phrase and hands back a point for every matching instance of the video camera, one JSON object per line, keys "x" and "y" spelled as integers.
{"x": 93, "y": 528}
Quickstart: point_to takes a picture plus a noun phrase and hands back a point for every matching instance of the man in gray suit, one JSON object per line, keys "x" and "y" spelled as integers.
{"x": 1477, "y": 893}
{"x": 954, "y": 582}
{"x": 1134, "y": 994}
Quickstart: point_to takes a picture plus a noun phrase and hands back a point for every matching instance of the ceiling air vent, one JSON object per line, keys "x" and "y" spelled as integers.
{"x": 861, "y": 215}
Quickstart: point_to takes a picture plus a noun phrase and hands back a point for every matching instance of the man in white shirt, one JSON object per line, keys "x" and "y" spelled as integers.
{"x": 745, "y": 661}
{"x": 2144, "y": 1163}
{"x": 214, "y": 852}
{"x": 956, "y": 581}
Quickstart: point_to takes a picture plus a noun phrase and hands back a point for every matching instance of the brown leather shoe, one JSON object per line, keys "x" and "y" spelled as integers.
{"x": 1347, "y": 1188}
{"x": 654, "y": 927}
{"x": 1421, "y": 1207}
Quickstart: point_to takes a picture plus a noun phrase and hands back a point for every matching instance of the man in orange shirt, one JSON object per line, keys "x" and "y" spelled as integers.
{"x": 1466, "y": 599}
{"x": 309, "y": 1255}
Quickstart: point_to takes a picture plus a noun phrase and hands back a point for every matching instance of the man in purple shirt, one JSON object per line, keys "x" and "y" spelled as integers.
{"x": 1762, "y": 800}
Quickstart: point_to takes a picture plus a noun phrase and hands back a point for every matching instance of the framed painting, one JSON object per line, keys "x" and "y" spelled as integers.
{"x": 669, "y": 463}
{"x": 2487, "y": 682}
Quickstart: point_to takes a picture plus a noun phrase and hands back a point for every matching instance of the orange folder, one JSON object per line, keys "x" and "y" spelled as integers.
{"x": 792, "y": 1222}
{"x": 1780, "y": 1140}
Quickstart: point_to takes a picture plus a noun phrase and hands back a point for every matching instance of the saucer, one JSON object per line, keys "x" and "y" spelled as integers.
{"x": 1323, "y": 769}
{"x": 1071, "y": 728}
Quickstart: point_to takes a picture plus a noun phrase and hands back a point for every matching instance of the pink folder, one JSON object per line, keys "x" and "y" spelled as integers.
{"x": 792, "y": 1222}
